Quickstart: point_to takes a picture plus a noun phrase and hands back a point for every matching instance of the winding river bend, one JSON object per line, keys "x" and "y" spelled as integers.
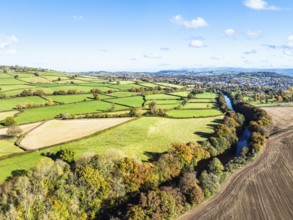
{"x": 245, "y": 136}
{"x": 231, "y": 153}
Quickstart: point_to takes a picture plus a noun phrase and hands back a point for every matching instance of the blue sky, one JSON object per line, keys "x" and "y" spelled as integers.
{"x": 146, "y": 35}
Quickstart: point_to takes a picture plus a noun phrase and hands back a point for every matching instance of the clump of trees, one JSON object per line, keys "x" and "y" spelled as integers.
{"x": 9, "y": 121}
{"x": 154, "y": 109}
{"x": 13, "y": 131}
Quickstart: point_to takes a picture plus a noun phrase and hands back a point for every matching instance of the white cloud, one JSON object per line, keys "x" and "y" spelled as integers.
{"x": 152, "y": 56}
{"x": 290, "y": 38}
{"x": 7, "y": 41}
{"x": 288, "y": 51}
{"x": 78, "y": 17}
{"x": 194, "y": 23}
{"x": 253, "y": 34}
{"x": 197, "y": 43}
{"x": 260, "y": 5}
{"x": 230, "y": 32}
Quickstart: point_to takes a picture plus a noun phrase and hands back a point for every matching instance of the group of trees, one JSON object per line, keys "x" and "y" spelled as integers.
{"x": 94, "y": 184}
{"x": 258, "y": 122}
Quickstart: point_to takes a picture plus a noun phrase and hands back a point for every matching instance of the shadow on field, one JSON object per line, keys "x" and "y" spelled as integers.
{"x": 16, "y": 173}
{"x": 202, "y": 134}
{"x": 153, "y": 156}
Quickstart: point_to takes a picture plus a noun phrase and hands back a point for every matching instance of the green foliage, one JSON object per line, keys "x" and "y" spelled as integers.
{"x": 135, "y": 112}
{"x": 66, "y": 155}
{"x": 13, "y": 131}
{"x": 9, "y": 121}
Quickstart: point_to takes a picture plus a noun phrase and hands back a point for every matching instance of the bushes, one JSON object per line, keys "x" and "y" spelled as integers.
{"x": 9, "y": 121}
{"x": 13, "y": 131}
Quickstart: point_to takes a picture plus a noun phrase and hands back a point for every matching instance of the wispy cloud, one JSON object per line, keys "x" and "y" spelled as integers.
{"x": 230, "y": 32}
{"x": 260, "y": 5}
{"x": 253, "y": 34}
{"x": 287, "y": 49}
{"x": 7, "y": 41}
{"x": 78, "y": 17}
{"x": 102, "y": 50}
{"x": 188, "y": 24}
{"x": 197, "y": 43}
{"x": 164, "y": 49}
{"x": 152, "y": 56}
{"x": 250, "y": 52}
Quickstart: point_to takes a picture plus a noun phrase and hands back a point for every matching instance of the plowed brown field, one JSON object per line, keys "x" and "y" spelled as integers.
{"x": 262, "y": 190}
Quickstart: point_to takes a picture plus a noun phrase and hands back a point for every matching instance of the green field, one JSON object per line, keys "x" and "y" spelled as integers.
{"x": 4, "y": 115}
{"x": 170, "y": 85}
{"x": 199, "y": 105}
{"x": 9, "y": 104}
{"x": 206, "y": 95}
{"x": 160, "y": 96}
{"x": 125, "y": 86}
{"x": 133, "y": 139}
{"x": 7, "y": 147}
{"x": 70, "y": 98}
{"x": 135, "y": 101}
{"x": 201, "y": 100}
{"x": 193, "y": 113}
{"x": 123, "y": 94}
{"x": 165, "y": 102}
{"x": 45, "y": 113}
{"x": 182, "y": 94}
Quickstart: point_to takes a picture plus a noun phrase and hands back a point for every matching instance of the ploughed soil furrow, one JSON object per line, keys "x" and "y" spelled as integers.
{"x": 263, "y": 189}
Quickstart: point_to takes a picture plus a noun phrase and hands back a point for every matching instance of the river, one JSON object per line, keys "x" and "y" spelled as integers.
{"x": 231, "y": 153}
{"x": 245, "y": 136}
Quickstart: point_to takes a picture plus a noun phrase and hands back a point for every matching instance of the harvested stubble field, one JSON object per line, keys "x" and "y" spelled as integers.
{"x": 58, "y": 131}
{"x": 262, "y": 190}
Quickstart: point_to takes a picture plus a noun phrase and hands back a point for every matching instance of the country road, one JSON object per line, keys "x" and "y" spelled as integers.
{"x": 263, "y": 189}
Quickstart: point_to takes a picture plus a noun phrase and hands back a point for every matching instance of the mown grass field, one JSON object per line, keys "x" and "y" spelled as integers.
{"x": 201, "y": 100}
{"x": 4, "y": 115}
{"x": 193, "y": 113}
{"x": 160, "y": 96}
{"x": 182, "y": 94}
{"x": 206, "y": 95}
{"x": 165, "y": 102}
{"x": 133, "y": 139}
{"x": 123, "y": 94}
{"x": 70, "y": 98}
{"x": 7, "y": 147}
{"x": 135, "y": 101}
{"x": 199, "y": 105}
{"x": 9, "y": 104}
{"x": 45, "y": 113}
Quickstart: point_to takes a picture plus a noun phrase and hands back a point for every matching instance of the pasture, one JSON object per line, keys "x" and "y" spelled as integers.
{"x": 160, "y": 96}
{"x": 50, "y": 112}
{"x": 193, "y": 113}
{"x": 135, "y": 101}
{"x": 4, "y": 115}
{"x": 9, "y": 104}
{"x": 199, "y": 105}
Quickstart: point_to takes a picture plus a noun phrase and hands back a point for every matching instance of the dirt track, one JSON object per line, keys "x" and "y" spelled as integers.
{"x": 262, "y": 190}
